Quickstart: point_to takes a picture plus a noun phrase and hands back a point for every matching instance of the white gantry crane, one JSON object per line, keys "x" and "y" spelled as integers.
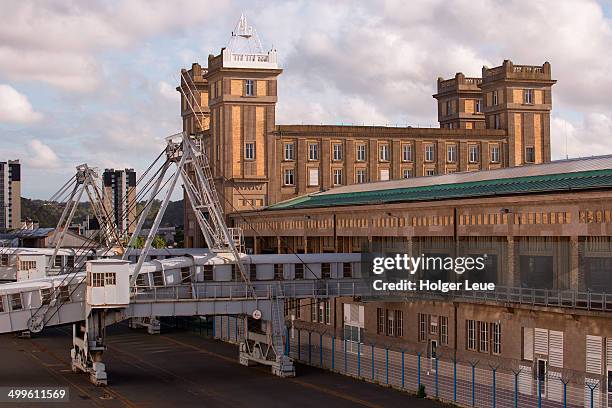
{"x": 86, "y": 181}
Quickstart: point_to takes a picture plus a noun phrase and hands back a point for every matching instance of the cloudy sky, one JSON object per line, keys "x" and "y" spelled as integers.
{"x": 94, "y": 81}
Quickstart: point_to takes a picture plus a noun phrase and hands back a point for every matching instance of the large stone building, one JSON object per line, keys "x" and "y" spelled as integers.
{"x": 499, "y": 120}
{"x": 546, "y": 229}
{"x": 547, "y": 234}
{"x": 10, "y": 195}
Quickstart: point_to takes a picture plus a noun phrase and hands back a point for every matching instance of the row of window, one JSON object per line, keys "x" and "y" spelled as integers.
{"x": 484, "y": 337}
{"x": 477, "y": 106}
{"x": 15, "y": 301}
{"x": 389, "y": 322}
{"x": 320, "y": 312}
{"x": 384, "y": 152}
{"x": 361, "y": 176}
{"x": 433, "y": 325}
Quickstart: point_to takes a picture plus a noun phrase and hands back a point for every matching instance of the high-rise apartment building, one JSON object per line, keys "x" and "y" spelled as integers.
{"x": 10, "y": 195}
{"x": 119, "y": 195}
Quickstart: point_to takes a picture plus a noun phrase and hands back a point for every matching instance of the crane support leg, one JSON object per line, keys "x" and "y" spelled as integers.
{"x": 267, "y": 349}
{"x": 88, "y": 345}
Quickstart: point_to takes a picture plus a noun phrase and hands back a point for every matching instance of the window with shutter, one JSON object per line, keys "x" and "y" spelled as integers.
{"x": 593, "y": 354}
{"x": 528, "y": 343}
{"x": 541, "y": 341}
{"x": 525, "y": 379}
{"x": 556, "y": 348}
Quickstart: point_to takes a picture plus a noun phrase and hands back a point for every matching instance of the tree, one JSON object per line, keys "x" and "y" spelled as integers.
{"x": 159, "y": 242}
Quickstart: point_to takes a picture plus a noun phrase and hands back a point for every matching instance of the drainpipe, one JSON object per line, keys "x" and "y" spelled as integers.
{"x": 455, "y": 250}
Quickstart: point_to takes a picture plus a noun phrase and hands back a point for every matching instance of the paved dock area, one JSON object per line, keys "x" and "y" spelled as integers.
{"x": 180, "y": 369}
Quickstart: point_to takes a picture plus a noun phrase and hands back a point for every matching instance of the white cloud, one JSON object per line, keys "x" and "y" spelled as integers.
{"x": 168, "y": 91}
{"x": 41, "y": 156}
{"x": 590, "y": 137}
{"x": 60, "y": 43}
{"x": 15, "y": 107}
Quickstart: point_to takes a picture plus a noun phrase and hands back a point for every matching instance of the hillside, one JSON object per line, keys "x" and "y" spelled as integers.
{"x": 48, "y": 213}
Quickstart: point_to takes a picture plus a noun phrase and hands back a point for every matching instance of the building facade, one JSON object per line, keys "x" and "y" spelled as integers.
{"x": 119, "y": 197}
{"x": 497, "y": 121}
{"x": 547, "y": 234}
{"x": 10, "y": 195}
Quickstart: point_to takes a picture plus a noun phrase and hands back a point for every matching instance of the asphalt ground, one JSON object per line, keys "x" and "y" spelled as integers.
{"x": 179, "y": 368}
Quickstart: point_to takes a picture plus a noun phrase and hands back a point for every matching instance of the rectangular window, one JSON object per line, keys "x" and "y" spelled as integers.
{"x": 383, "y": 152}
{"x": 384, "y": 174}
{"x": 15, "y": 299}
{"x": 390, "y": 322}
{"x": 529, "y": 155}
{"x": 110, "y": 278}
{"x": 495, "y": 154}
{"x": 360, "y": 176}
{"x": 497, "y": 122}
{"x": 478, "y": 105}
{"x": 337, "y": 152}
{"x": 407, "y": 152}
{"x": 57, "y": 262}
{"x": 70, "y": 261}
{"x": 407, "y": 173}
{"x": 313, "y": 177}
{"x": 249, "y": 151}
{"x": 321, "y": 311}
{"x": 361, "y": 152}
{"x": 496, "y": 333}
{"x": 483, "y": 337}
{"x": 528, "y": 96}
{"x": 327, "y": 312}
{"x": 495, "y": 98}
{"x": 289, "y": 153}
{"x": 422, "y": 327}
{"x": 326, "y": 271}
{"x": 337, "y": 177}
{"x": 471, "y": 335}
{"x": 380, "y": 320}
{"x": 278, "y": 272}
{"x": 429, "y": 153}
{"x": 313, "y": 310}
{"x": 97, "y": 279}
{"x": 433, "y": 325}
{"x": 451, "y": 153}
{"x": 45, "y": 296}
{"x": 474, "y": 154}
{"x": 444, "y": 329}
{"x": 140, "y": 280}
{"x": 347, "y": 270}
{"x": 250, "y": 89}
{"x": 299, "y": 271}
{"x": 399, "y": 323}
{"x": 430, "y": 172}
{"x": 207, "y": 272}
{"x": 449, "y": 107}
{"x": 313, "y": 151}
{"x": 158, "y": 278}
{"x": 288, "y": 177}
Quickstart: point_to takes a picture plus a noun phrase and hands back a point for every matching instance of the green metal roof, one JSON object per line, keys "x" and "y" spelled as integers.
{"x": 582, "y": 180}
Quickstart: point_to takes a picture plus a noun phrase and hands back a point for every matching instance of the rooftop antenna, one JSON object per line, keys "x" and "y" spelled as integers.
{"x": 244, "y": 38}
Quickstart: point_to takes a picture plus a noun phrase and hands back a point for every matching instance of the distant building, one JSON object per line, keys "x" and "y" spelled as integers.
{"x": 119, "y": 195}
{"x": 10, "y": 194}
